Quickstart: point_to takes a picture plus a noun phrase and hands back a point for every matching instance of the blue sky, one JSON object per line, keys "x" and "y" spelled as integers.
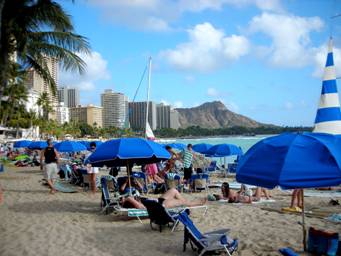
{"x": 262, "y": 58}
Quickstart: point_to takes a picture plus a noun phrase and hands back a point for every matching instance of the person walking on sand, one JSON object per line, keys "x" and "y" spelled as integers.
{"x": 92, "y": 171}
{"x": 51, "y": 157}
{"x": 187, "y": 158}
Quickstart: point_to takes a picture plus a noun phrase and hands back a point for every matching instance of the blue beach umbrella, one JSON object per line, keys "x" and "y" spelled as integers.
{"x": 178, "y": 146}
{"x": 293, "y": 160}
{"x": 22, "y": 143}
{"x": 202, "y": 148}
{"x": 128, "y": 151}
{"x": 222, "y": 150}
{"x": 37, "y": 145}
{"x": 70, "y": 146}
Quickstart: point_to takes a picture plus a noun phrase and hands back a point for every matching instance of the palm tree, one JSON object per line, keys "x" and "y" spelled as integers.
{"x": 32, "y": 30}
{"x": 45, "y": 104}
{"x": 16, "y": 93}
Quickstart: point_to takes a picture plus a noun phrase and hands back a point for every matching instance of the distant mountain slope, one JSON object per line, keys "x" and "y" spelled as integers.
{"x": 213, "y": 115}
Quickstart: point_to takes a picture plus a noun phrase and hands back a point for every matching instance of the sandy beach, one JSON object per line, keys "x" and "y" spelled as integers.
{"x": 33, "y": 222}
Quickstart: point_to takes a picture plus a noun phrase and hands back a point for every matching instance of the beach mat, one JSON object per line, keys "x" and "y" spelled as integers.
{"x": 64, "y": 187}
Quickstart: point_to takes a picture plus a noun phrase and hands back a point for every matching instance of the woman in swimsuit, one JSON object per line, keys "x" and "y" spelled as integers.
{"x": 173, "y": 198}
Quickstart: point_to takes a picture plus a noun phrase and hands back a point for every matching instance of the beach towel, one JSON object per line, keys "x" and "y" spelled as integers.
{"x": 336, "y": 217}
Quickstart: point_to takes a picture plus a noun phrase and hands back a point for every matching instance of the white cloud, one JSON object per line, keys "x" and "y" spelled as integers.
{"x": 212, "y": 92}
{"x": 178, "y": 104}
{"x": 158, "y": 15}
{"x": 165, "y": 102}
{"x": 208, "y": 48}
{"x": 320, "y": 57}
{"x": 96, "y": 70}
{"x": 290, "y": 37}
{"x": 232, "y": 106}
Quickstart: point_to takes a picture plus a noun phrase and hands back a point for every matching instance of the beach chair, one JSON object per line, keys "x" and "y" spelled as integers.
{"x": 173, "y": 180}
{"x": 212, "y": 167}
{"x": 209, "y": 242}
{"x": 232, "y": 168}
{"x": 160, "y": 216}
{"x": 199, "y": 182}
{"x": 108, "y": 201}
{"x": 287, "y": 252}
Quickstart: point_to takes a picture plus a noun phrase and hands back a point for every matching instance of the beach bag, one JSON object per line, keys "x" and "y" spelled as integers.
{"x": 323, "y": 242}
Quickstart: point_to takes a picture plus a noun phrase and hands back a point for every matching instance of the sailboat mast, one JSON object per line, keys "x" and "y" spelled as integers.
{"x": 148, "y": 90}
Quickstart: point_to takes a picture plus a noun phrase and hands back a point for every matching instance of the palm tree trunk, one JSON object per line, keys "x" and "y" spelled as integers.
{"x": 4, "y": 54}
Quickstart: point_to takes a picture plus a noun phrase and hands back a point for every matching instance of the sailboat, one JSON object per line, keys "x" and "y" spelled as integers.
{"x": 149, "y": 135}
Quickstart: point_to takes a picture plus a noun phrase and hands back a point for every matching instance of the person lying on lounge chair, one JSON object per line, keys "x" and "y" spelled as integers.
{"x": 172, "y": 198}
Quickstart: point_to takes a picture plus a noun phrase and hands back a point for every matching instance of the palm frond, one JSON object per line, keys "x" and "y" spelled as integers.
{"x": 67, "y": 59}
{"x": 67, "y": 40}
{"x": 47, "y": 13}
{"x": 40, "y": 66}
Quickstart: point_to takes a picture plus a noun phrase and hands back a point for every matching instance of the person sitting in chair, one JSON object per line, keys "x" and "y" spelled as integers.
{"x": 131, "y": 194}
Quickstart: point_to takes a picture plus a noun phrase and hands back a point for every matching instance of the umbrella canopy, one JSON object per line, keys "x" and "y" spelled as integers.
{"x": 178, "y": 146}
{"x": 97, "y": 142}
{"x": 201, "y": 147}
{"x": 22, "y": 143}
{"x": 70, "y": 146}
{"x": 222, "y": 150}
{"x": 37, "y": 145}
{"x": 293, "y": 160}
{"x": 128, "y": 151}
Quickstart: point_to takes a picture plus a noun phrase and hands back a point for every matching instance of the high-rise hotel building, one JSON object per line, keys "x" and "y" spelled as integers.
{"x": 137, "y": 115}
{"x": 36, "y": 84}
{"x": 68, "y": 95}
{"x": 91, "y": 115}
{"x": 115, "y": 109}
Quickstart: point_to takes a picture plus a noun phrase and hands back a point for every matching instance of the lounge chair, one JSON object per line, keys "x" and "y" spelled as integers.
{"x": 173, "y": 180}
{"x": 108, "y": 201}
{"x": 287, "y": 252}
{"x": 212, "y": 167}
{"x": 209, "y": 242}
{"x": 159, "y": 215}
{"x": 199, "y": 182}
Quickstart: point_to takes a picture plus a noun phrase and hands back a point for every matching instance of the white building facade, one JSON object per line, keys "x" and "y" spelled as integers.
{"x": 62, "y": 113}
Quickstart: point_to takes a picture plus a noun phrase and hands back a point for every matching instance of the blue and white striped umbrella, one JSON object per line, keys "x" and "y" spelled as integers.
{"x": 328, "y": 117}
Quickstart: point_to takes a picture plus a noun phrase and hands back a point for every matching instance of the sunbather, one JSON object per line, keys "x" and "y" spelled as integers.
{"x": 232, "y": 196}
{"x": 173, "y": 198}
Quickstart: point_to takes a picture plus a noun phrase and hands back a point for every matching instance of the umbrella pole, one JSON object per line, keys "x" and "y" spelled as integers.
{"x": 303, "y": 223}
{"x": 129, "y": 181}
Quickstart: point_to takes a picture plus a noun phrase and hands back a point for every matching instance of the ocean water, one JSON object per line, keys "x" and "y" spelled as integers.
{"x": 245, "y": 142}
